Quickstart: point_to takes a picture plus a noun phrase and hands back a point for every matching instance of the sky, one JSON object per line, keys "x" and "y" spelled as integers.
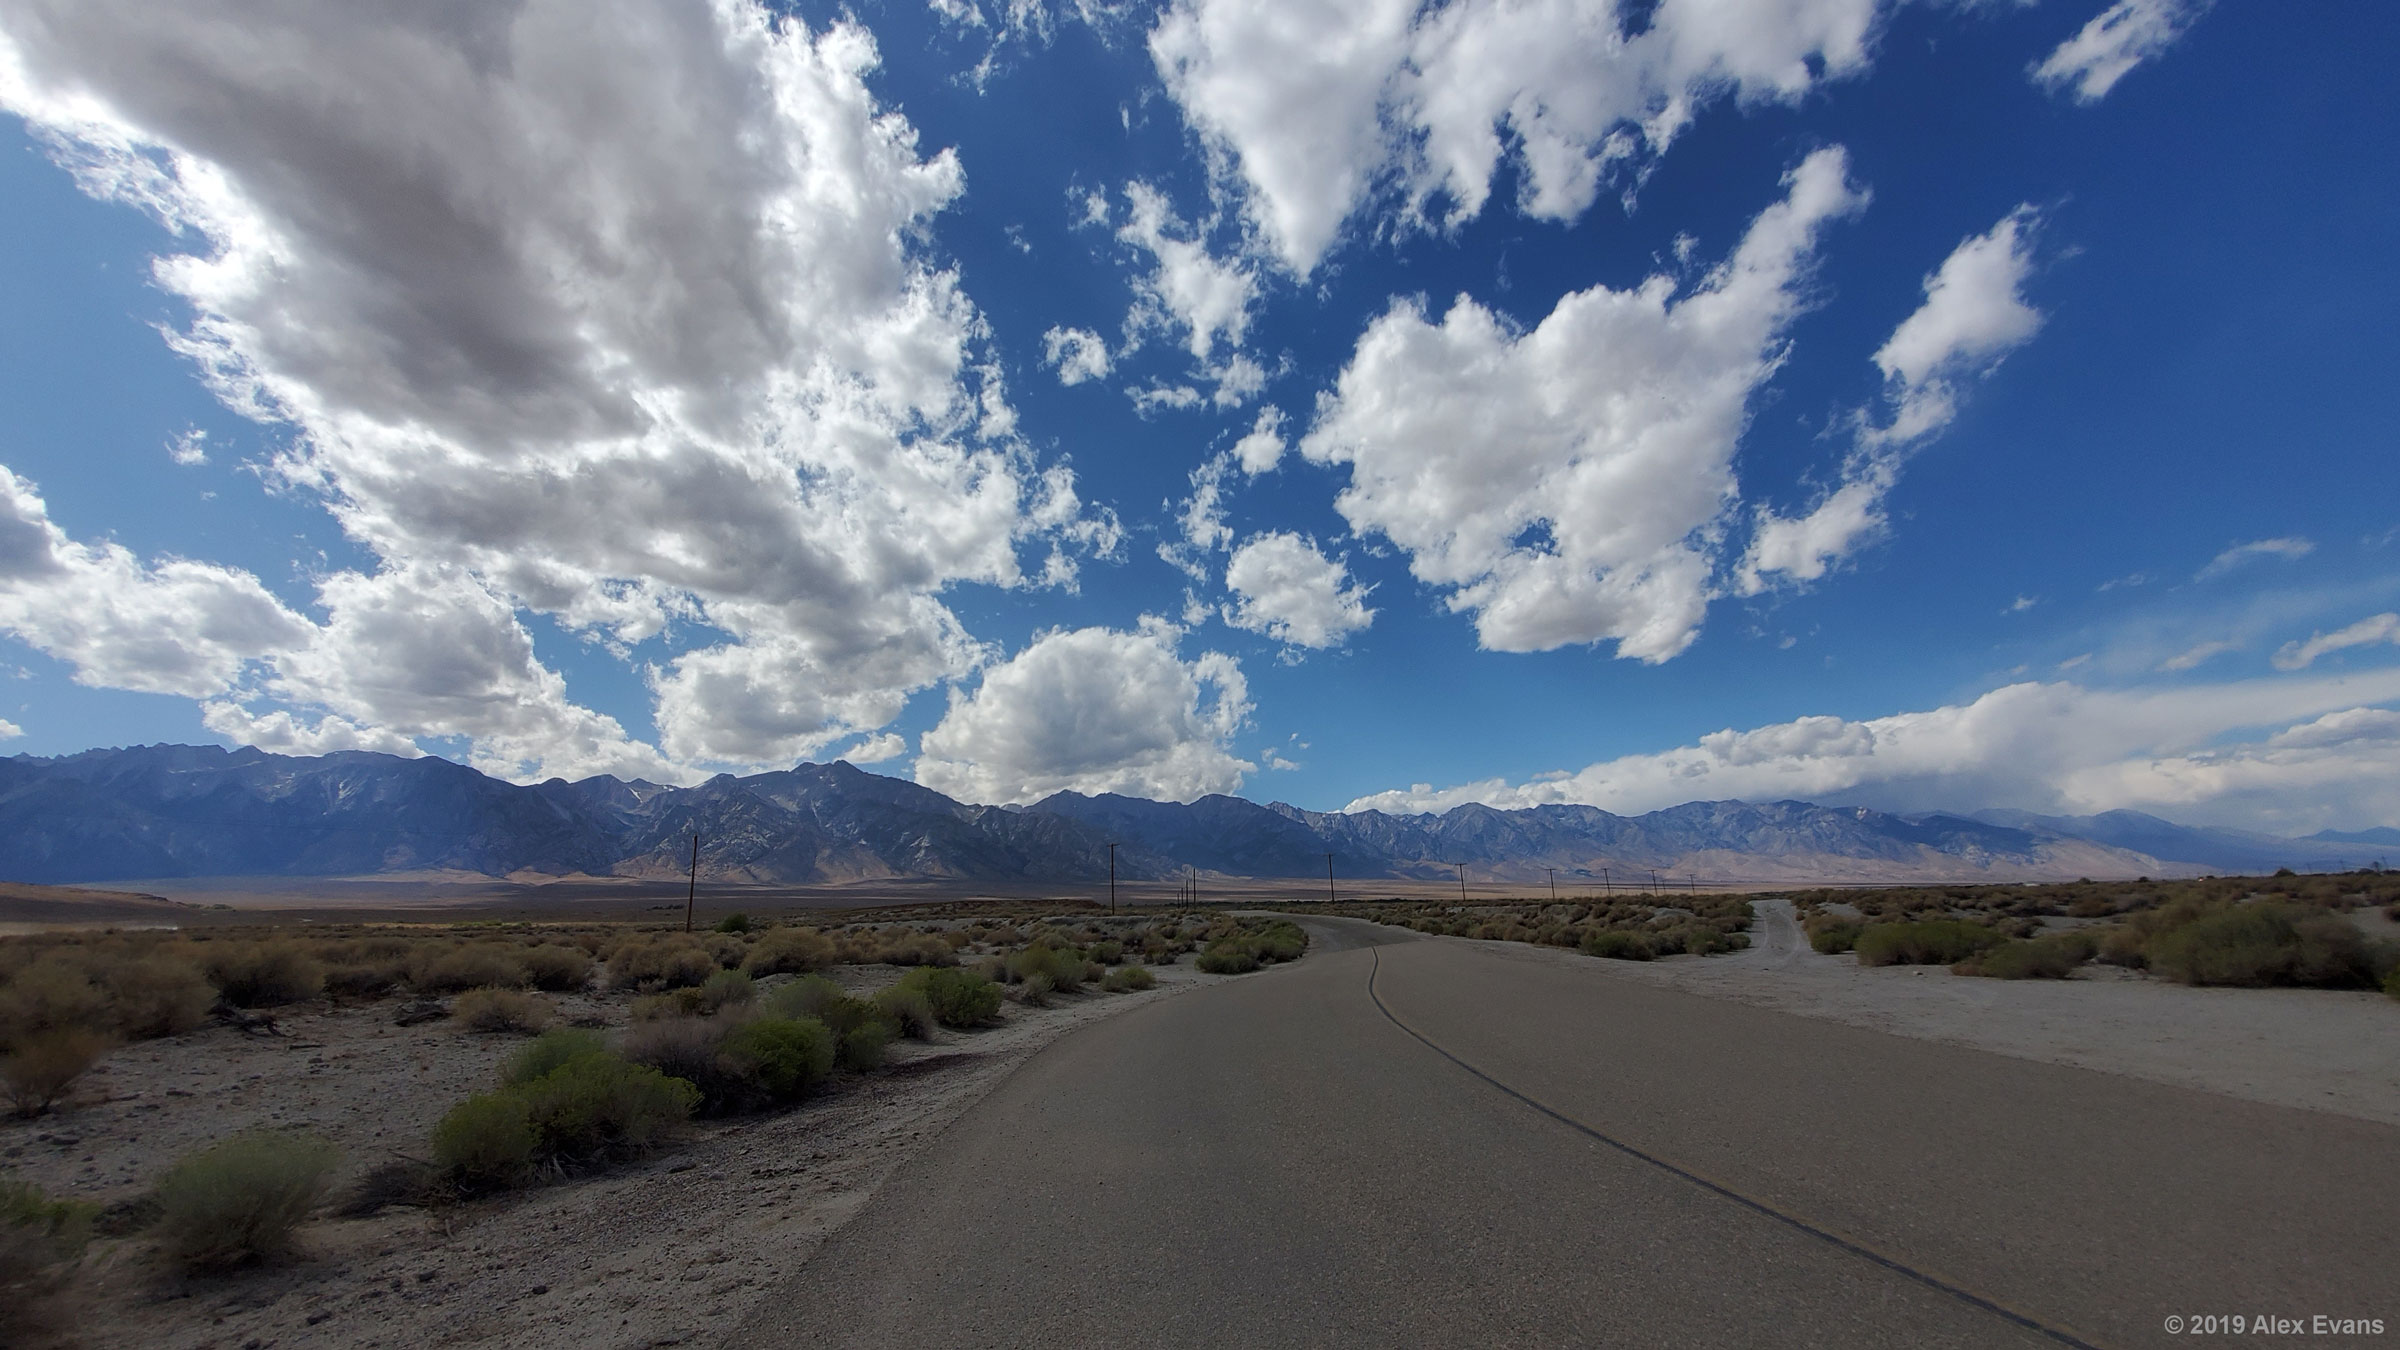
{"x": 1927, "y": 406}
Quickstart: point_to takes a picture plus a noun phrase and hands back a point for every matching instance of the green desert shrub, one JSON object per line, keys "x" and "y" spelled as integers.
{"x": 588, "y": 1106}
{"x": 789, "y": 950}
{"x": 159, "y": 995}
{"x": 2263, "y": 943}
{"x": 43, "y": 1067}
{"x": 38, "y": 1238}
{"x": 664, "y": 963}
{"x": 781, "y": 1058}
{"x": 1128, "y": 979}
{"x": 734, "y": 923}
{"x": 1228, "y": 956}
{"x": 727, "y": 989}
{"x": 959, "y": 998}
{"x": 2054, "y": 957}
{"x": 262, "y": 974}
{"x": 549, "y": 1050}
{"x": 479, "y": 965}
{"x": 1924, "y": 942}
{"x": 1034, "y": 990}
{"x": 502, "y": 1010}
{"x": 557, "y": 968}
{"x": 240, "y": 1200}
{"x": 1065, "y": 967}
{"x": 364, "y": 979}
{"x": 1109, "y": 953}
{"x": 908, "y": 1011}
{"x": 861, "y": 1027}
{"x": 1832, "y": 934}
{"x": 734, "y": 1067}
{"x": 1616, "y": 945}
{"x": 55, "y": 995}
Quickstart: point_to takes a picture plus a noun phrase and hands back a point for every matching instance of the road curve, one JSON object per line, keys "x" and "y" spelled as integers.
{"x": 1403, "y": 1141}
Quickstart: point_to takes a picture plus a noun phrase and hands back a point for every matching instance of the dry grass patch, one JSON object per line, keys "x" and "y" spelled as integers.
{"x": 240, "y": 1201}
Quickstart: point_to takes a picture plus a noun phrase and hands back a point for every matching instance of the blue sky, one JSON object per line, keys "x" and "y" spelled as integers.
{"x": 1916, "y": 405}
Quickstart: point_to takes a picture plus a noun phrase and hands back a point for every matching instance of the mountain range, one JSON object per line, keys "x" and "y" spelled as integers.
{"x": 179, "y": 811}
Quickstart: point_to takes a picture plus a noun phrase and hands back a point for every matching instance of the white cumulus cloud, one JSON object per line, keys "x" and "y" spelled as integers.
{"x": 2117, "y": 39}
{"x": 1077, "y": 354}
{"x": 1285, "y": 587}
{"x": 1186, "y": 290}
{"x": 1313, "y": 105}
{"x": 1565, "y": 485}
{"x": 2328, "y": 759}
{"x": 1093, "y": 710}
{"x": 1975, "y": 313}
{"x": 614, "y": 315}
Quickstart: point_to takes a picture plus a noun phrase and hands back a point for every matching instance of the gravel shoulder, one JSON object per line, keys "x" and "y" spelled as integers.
{"x": 657, "y": 1253}
{"x": 2316, "y": 1049}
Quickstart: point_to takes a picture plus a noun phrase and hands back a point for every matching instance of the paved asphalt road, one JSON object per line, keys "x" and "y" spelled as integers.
{"x": 1404, "y": 1142}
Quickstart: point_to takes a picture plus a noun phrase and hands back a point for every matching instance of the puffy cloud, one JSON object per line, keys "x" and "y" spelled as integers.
{"x": 10, "y": 731}
{"x": 613, "y": 312}
{"x": 877, "y": 749}
{"x": 1093, "y": 710}
{"x": 1285, "y": 587}
{"x": 1974, "y": 315}
{"x": 2044, "y": 747}
{"x": 1262, "y": 449}
{"x": 1565, "y": 485}
{"x": 169, "y": 627}
{"x": 2365, "y": 633}
{"x": 1314, "y": 103}
{"x": 2288, "y": 549}
{"x": 189, "y": 449}
{"x": 1077, "y": 354}
{"x": 1185, "y": 289}
{"x": 2119, "y": 38}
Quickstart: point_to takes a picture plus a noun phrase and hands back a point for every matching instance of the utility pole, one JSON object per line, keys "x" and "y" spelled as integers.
{"x": 691, "y": 894}
{"x": 1553, "y": 883}
{"x": 1462, "y": 883}
{"x": 1654, "y": 881}
{"x": 1604, "y": 886}
{"x": 1112, "y": 881}
{"x": 1329, "y": 879}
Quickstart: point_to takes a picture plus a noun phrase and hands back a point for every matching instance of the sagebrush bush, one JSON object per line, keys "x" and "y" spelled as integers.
{"x": 781, "y": 1058}
{"x": 56, "y": 995}
{"x": 588, "y": 1106}
{"x": 1127, "y": 979}
{"x": 959, "y": 998}
{"x": 1925, "y": 942}
{"x": 2044, "y": 958}
{"x": 734, "y": 923}
{"x": 665, "y": 963}
{"x": 908, "y": 1010}
{"x": 1833, "y": 935}
{"x": 44, "y": 1066}
{"x": 1616, "y": 945}
{"x": 1228, "y": 956}
{"x": 549, "y": 1050}
{"x": 38, "y": 1237}
{"x": 2263, "y": 943}
{"x": 262, "y": 974}
{"x": 153, "y": 996}
{"x": 1066, "y": 967}
{"x": 804, "y": 997}
{"x": 499, "y": 1010}
{"x": 240, "y": 1200}
{"x": 789, "y": 951}
{"x": 727, "y": 989}
{"x": 480, "y": 965}
{"x": 557, "y": 969}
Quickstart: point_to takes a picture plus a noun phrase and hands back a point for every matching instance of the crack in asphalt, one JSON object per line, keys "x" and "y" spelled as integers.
{"x": 1851, "y": 1245}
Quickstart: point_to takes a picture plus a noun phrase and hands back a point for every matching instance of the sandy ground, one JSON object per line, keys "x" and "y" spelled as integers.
{"x": 2317, "y": 1049}
{"x": 660, "y": 1253}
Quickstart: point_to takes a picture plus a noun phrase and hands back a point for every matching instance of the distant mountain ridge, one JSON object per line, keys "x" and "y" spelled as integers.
{"x": 190, "y": 811}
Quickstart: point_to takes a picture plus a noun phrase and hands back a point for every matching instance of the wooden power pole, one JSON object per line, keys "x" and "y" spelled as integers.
{"x": 691, "y": 894}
